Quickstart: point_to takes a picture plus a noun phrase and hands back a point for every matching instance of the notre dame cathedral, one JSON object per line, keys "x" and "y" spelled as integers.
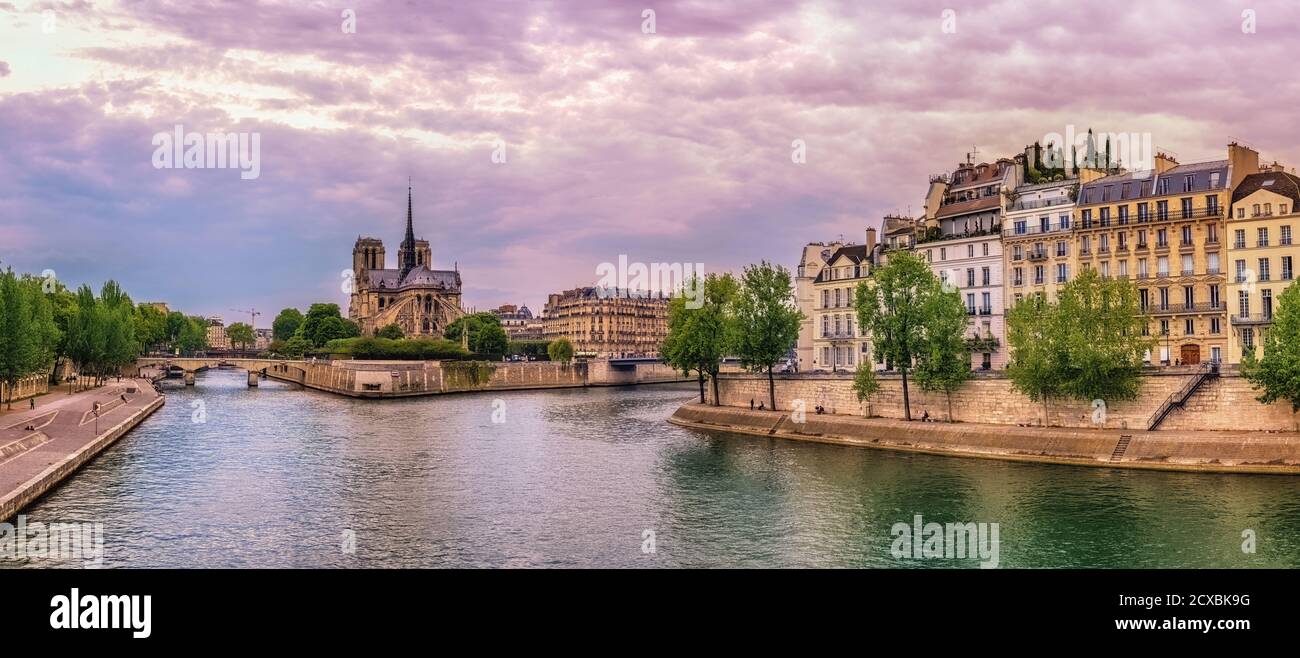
{"x": 420, "y": 300}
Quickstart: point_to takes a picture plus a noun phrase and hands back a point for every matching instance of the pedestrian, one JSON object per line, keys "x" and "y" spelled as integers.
{"x": 751, "y": 404}
{"x": 33, "y": 403}
{"x": 760, "y": 406}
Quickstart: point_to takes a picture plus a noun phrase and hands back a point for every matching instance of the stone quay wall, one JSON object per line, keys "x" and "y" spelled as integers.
{"x": 27, "y": 387}
{"x": 1223, "y": 403}
{"x": 385, "y": 379}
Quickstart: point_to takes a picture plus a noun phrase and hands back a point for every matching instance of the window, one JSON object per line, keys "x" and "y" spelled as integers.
{"x": 943, "y": 253}
{"x": 1038, "y": 275}
{"x": 985, "y": 276}
{"x": 1241, "y": 270}
{"x": 1085, "y": 245}
{"x": 1187, "y": 235}
{"x": 1243, "y": 303}
{"x": 987, "y": 303}
{"x": 1162, "y": 266}
{"x": 1239, "y": 239}
{"x": 970, "y": 251}
{"x": 1212, "y": 204}
{"x": 1065, "y": 221}
{"x": 1189, "y": 327}
{"x": 1143, "y": 215}
{"x": 1142, "y": 268}
{"x": 1162, "y": 207}
{"x": 1212, "y": 267}
{"x": 1017, "y": 252}
{"x": 1214, "y": 298}
{"x": 1287, "y": 272}
{"x": 1062, "y": 249}
{"x": 970, "y": 277}
{"x": 1266, "y": 303}
{"x": 1123, "y": 269}
{"x": 1018, "y": 276}
{"x": 1062, "y": 272}
{"x": 1286, "y": 235}
{"x": 1122, "y": 214}
{"x": 1187, "y": 183}
{"x": 1144, "y": 298}
{"x": 970, "y": 303}
{"x": 1187, "y": 265}
{"x": 985, "y": 245}
{"x": 826, "y": 326}
{"x": 1261, "y": 237}
{"x": 1215, "y": 328}
{"x": 1162, "y": 237}
{"x": 1142, "y": 238}
{"x": 1248, "y": 339}
{"x": 1211, "y": 234}
{"x": 1187, "y": 207}
{"x": 1189, "y": 297}
{"x": 1103, "y": 216}
{"x": 1241, "y": 213}
{"x": 1105, "y": 269}
{"x": 1263, "y": 269}
{"x": 1164, "y": 299}
{"x": 837, "y": 298}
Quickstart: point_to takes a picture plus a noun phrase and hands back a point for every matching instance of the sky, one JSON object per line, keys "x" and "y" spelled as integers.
{"x": 666, "y": 143}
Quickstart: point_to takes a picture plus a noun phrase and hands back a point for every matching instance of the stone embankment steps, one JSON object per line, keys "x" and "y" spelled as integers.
{"x": 1202, "y": 451}
{"x": 1121, "y": 447}
{"x": 1179, "y": 398}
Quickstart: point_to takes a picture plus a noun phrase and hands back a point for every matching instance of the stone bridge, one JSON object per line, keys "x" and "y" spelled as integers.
{"x": 191, "y": 365}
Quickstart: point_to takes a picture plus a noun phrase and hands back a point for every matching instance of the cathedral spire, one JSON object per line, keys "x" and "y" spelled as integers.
{"x": 406, "y": 253}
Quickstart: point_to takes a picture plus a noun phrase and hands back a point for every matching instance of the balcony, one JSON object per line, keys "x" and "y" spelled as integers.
{"x": 1211, "y": 242}
{"x": 986, "y": 310}
{"x": 1172, "y": 309}
{"x": 970, "y": 310}
{"x": 1038, "y": 255}
{"x": 1034, "y": 229}
{"x": 1162, "y": 248}
{"x": 1186, "y": 248}
{"x": 1143, "y": 247}
{"x": 1212, "y": 271}
{"x": 1247, "y": 319}
{"x": 1189, "y": 272}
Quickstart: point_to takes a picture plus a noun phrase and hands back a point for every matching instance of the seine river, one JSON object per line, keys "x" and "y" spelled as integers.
{"x": 282, "y": 477}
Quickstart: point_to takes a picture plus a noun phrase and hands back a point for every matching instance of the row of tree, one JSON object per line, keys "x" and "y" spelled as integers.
{"x": 1088, "y": 344}
{"x": 755, "y": 319}
{"x": 43, "y": 323}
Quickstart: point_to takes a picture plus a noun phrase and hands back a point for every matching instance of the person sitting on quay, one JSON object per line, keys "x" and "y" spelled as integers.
{"x": 760, "y": 406}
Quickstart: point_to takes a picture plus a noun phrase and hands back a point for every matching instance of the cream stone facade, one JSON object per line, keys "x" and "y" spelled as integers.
{"x": 1163, "y": 229}
{"x": 1262, "y": 252}
{"x": 607, "y": 322}
{"x": 963, "y": 244}
{"x": 1036, "y": 239}
{"x": 419, "y": 299}
{"x": 812, "y": 259}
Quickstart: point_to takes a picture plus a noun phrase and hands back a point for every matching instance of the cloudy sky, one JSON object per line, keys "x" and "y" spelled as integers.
{"x": 672, "y": 146}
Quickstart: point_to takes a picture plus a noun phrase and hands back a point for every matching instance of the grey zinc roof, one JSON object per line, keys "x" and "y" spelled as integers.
{"x": 419, "y": 277}
{"x": 1145, "y": 184}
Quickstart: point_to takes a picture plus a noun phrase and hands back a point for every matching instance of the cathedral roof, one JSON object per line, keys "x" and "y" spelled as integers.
{"x": 419, "y": 277}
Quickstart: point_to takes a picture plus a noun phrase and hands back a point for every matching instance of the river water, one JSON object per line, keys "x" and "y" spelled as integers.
{"x": 277, "y": 476}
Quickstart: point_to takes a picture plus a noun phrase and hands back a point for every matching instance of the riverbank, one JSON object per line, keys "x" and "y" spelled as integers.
{"x": 64, "y": 435}
{"x": 1200, "y": 451}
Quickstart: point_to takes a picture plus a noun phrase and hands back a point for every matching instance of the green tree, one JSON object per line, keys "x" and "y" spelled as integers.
{"x": 175, "y": 325}
{"x": 943, "y": 363}
{"x": 193, "y": 336}
{"x": 864, "y": 382}
{"x": 475, "y": 322}
{"x": 20, "y": 348}
{"x": 764, "y": 321}
{"x": 1276, "y": 374}
{"x": 118, "y": 320}
{"x": 560, "y": 350}
{"x": 150, "y": 327}
{"x": 296, "y": 347}
{"x": 698, "y": 338}
{"x": 324, "y": 323}
{"x": 241, "y": 334}
{"x": 1036, "y": 339}
{"x": 286, "y": 324}
{"x": 1102, "y": 323}
{"x": 893, "y": 307}
{"x": 392, "y": 331}
{"x": 492, "y": 339}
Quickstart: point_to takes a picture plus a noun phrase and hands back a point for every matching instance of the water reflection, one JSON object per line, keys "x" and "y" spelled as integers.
{"x": 277, "y": 476}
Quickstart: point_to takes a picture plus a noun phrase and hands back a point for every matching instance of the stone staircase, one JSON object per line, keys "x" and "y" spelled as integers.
{"x": 1178, "y": 398}
{"x": 1121, "y": 447}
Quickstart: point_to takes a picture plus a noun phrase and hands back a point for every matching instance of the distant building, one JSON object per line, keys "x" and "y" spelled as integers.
{"x": 261, "y": 339}
{"x": 518, "y": 322}
{"x": 161, "y": 306}
{"x": 607, "y": 321}
{"x": 217, "y": 338}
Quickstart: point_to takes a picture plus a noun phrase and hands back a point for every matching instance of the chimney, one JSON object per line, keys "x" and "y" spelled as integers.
{"x": 1165, "y": 162}
{"x": 871, "y": 239}
{"x": 1242, "y": 162}
{"x": 1274, "y": 168}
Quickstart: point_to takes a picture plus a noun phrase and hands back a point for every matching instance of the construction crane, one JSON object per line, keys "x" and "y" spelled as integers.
{"x": 252, "y": 315}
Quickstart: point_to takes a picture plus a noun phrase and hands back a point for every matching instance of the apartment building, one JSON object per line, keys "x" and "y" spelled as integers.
{"x": 1037, "y": 241}
{"x": 1262, "y": 252}
{"x": 607, "y": 322}
{"x": 963, "y": 244}
{"x": 812, "y": 259}
{"x": 1163, "y": 229}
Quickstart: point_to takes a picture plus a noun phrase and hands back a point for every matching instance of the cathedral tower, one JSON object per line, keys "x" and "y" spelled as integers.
{"x": 406, "y": 254}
